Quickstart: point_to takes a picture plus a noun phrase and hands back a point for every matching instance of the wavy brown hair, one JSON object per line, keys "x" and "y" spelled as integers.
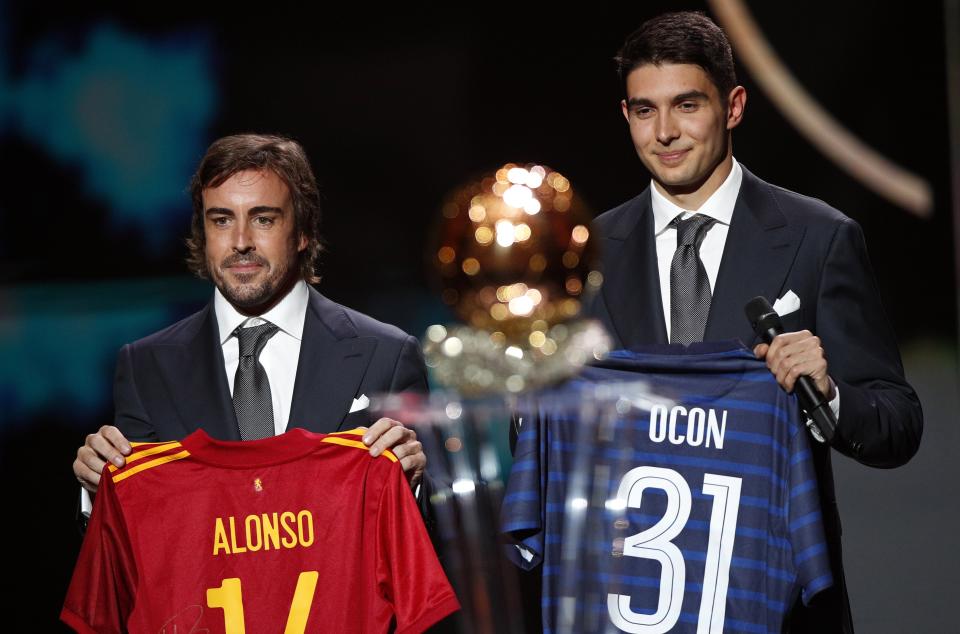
{"x": 283, "y": 156}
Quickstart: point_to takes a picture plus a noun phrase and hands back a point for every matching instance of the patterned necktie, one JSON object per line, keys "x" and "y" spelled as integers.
{"x": 689, "y": 285}
{"x": 251, "y": 389}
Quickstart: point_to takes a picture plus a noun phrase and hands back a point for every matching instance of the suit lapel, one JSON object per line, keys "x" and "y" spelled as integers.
{"x": 333, "y": 361}
{"x": 193, "y": 375}
{"x": 631, "y": 287}
{"x": 757, "y": 256}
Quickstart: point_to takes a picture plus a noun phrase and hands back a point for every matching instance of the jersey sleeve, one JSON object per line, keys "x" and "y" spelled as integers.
{"x": 811, "y": 559}
{"x": 408, "y": 572}
{"x": 103, "y": 587}
{"x": 521, "y": 518}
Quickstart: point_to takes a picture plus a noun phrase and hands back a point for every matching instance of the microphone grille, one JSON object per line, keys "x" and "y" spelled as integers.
{"x": 763, "y": 319}
{"x": 756, "y": 308}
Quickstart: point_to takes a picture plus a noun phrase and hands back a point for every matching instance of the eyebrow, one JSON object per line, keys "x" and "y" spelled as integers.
{"x": 259, "y": 209}
{"x": 635, "y": 102}
{"x": 692, "y": 94}
{"x": 639, "y": 101}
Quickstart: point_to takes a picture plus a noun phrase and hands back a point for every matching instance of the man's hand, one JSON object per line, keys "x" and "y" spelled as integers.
{"x": 794, "y": 354}
{"x": 387, "y": 433}
{"x": 108, "y": 444}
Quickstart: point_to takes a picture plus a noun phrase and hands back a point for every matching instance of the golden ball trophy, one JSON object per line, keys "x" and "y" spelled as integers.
{"x": 515, "y": 263}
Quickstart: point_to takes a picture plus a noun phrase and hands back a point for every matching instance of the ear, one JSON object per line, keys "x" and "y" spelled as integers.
{"x": 302, "y": 243}
{"x": 625, "y": 110}
{"x": 736, "y": 103}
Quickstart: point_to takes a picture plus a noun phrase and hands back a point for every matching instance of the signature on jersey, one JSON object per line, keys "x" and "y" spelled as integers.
{"x": 186, "y": 622}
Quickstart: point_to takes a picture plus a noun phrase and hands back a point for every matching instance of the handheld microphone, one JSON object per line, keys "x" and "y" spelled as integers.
{"x": 766, "y": 323}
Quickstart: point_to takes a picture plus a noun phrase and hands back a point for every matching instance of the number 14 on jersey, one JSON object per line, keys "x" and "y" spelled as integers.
{"x": 229, "y": 597}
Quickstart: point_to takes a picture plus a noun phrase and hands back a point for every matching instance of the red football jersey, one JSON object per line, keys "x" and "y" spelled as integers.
{"x": 301, "y": 531}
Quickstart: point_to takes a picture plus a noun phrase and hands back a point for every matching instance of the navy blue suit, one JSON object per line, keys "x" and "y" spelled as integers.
{"x": 780, "y": 241}
{"x": 173, "y": 382}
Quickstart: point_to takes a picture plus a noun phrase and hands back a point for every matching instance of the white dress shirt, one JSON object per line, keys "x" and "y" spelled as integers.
{"x": 718, "y": 206}
{"x": 279, "y": 356}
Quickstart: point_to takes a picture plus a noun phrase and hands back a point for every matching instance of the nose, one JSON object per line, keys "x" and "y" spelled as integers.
{"x": 242, "y": 241}
{"x": 667, "y": 129}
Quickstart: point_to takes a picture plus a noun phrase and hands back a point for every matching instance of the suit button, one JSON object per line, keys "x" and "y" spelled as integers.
{"x": 857, "y": 448}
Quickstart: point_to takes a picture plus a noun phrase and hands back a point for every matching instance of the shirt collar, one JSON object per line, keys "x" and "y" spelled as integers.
{"x": 288, "y": 314}
{"x": 719, "y": 206}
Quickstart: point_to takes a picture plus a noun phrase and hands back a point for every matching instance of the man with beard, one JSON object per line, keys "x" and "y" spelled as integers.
{"x": 268, "y": 352}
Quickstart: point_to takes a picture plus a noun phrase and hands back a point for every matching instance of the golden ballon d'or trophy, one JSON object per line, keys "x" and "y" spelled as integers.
{"x": 515, "y": 260}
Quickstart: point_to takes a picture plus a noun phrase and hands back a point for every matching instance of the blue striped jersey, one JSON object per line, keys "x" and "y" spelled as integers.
{"x": 668, "y": 490}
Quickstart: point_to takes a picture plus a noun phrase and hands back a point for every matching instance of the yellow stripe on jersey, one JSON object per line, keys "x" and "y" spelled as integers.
{"x": 156, "y": 462}
{"x": 356, "y": 443}
{"x": 146, "y": 453}
{"x": 357, "y": 431}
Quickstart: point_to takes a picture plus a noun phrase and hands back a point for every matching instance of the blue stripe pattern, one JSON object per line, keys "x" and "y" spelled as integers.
{"x": 778, "y": 545}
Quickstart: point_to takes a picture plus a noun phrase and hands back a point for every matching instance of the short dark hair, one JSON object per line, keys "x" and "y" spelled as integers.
{"x": 686, "y": 37}
{"x": 281, "y": 155}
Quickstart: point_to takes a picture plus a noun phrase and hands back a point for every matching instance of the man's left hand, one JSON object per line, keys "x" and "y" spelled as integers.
{"x": 390, "y": 434}
{"x": 795, "y": 354}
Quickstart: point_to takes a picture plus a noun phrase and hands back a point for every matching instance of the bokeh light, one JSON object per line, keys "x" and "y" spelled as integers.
{"x": 514, "y": 248}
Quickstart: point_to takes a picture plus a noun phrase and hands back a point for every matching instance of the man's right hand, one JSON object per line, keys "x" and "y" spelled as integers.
{"x": 107, "y": 445}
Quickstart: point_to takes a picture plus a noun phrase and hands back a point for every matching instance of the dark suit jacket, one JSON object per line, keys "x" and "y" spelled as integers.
{"x": 172, "y": 382}
{"x": 780, "y": 241}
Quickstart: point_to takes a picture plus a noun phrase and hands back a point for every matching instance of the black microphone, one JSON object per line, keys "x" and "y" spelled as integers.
{"x": 766, "y": 323}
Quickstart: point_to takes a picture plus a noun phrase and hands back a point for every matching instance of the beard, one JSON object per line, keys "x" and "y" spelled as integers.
{"x": 245, "y": 290}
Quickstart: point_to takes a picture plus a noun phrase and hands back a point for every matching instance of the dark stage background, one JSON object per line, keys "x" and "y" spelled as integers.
{"x": 104, "y": 113}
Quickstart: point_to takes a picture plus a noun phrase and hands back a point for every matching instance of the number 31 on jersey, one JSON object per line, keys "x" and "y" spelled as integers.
{"x": 656, "y": 543}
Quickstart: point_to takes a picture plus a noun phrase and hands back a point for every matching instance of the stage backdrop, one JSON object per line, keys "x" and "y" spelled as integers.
{"x": 104, "y": 112}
